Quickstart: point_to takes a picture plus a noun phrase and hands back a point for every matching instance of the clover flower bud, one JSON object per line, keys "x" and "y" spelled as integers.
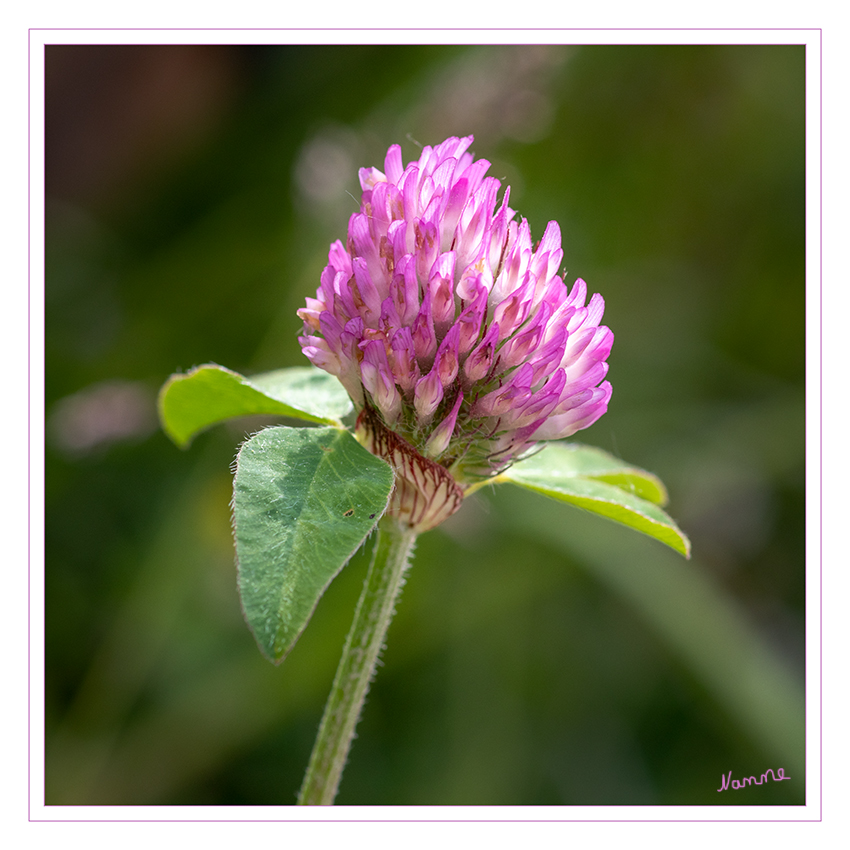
{"x": 456, "y": 338}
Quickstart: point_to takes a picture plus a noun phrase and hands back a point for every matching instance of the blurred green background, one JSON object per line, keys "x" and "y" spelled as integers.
{"x": 539, "y": 655}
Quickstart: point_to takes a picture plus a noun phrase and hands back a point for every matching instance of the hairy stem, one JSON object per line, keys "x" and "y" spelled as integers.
{"x": 375, "y": 609}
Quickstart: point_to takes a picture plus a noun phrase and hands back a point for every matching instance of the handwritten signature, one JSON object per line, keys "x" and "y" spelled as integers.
{"x": 726, "y": 780}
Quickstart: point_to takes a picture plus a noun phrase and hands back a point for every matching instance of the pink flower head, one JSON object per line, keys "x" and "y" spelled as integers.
{"x": 456, "y": 338}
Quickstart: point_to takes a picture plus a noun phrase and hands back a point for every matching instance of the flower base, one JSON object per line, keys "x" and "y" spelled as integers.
{"x": 425, "y": 493}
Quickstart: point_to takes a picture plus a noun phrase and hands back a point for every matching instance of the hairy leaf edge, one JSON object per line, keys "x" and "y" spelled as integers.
{"x": 278, "y": 658}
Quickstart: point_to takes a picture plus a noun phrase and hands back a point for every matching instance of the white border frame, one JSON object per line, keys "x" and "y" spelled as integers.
{"x": 505, "y": 816}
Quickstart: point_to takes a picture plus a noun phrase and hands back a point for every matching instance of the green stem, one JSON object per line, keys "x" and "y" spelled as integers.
{"x": 375, "y": 609}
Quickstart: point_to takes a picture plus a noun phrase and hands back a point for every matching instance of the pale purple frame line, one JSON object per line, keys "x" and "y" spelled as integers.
{"x": 418, "y": 820}
{"x": 820, "y": 406}
{"x": 29, "y": 426}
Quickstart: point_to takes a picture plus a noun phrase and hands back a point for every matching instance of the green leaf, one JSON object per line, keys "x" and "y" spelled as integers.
{"x": 304, "y": 499}
{"x": 210, "y": 394}
{"x": 574, "y": 460}
{"x": 598, "y": 482}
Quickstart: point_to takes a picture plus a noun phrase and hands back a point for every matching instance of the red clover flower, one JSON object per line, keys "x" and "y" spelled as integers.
{"x": 458, "y": 341}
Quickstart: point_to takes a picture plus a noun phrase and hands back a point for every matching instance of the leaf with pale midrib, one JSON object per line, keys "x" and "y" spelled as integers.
{"x": 304, "y": 499}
